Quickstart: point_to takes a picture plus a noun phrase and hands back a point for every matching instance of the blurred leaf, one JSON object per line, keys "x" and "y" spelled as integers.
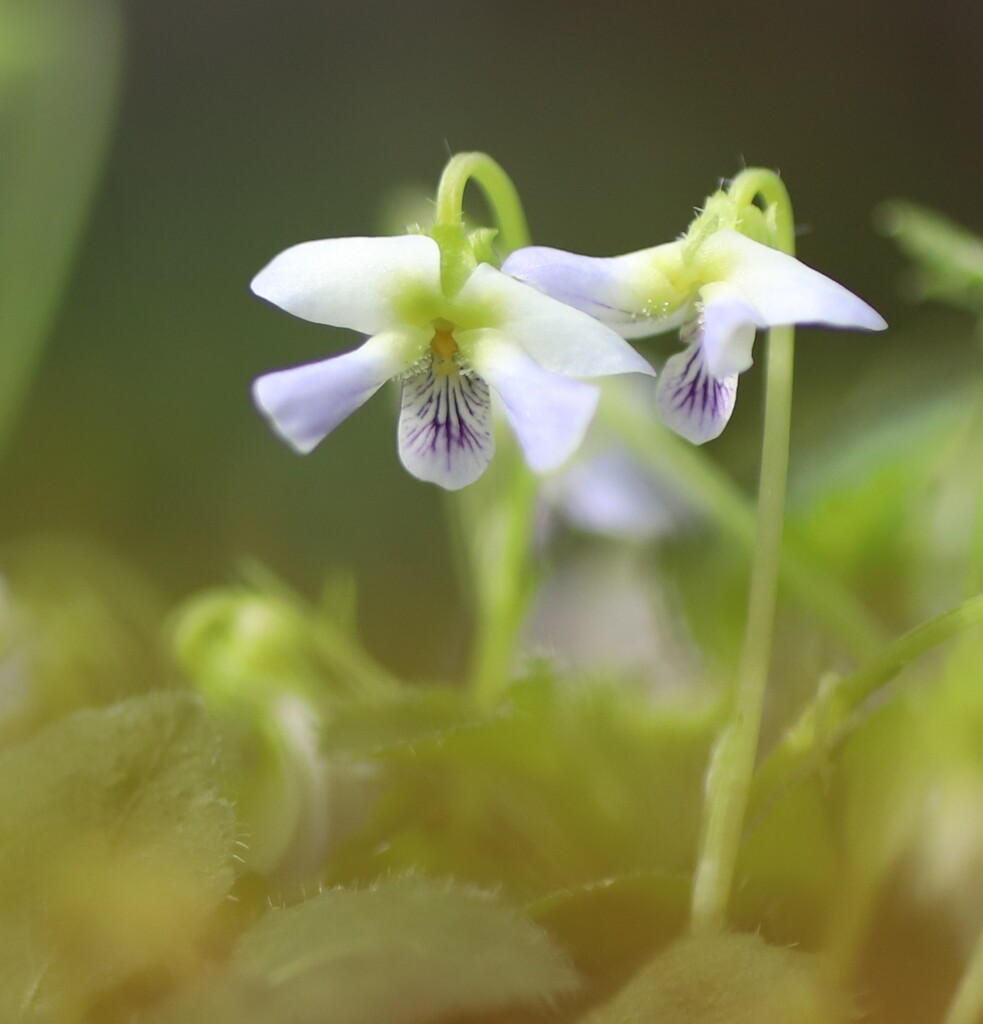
{"x": 947, "y": 860}
{"x": 59, "y": 64}
{"x": 788, "y": 868}
{"x": 82, "y": 629}
{"x": 865, "y": 501}
{"x": 400, "y": 721}
{"x": 407, "y": 950}
{"x": 114, "y": 851}
{"x": 726, "y": 979}
{"x": 566, "y": 785}
{"x": 949, "y": 258}
{"x": 875, "y": 797}
{"x": 612, "y": 926}
{"x": 880, "y": 784}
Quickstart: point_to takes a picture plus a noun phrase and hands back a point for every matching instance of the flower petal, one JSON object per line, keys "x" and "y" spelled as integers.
{"x": 560, "y": 338}
{"x": 445, "y": 432}
{"x": 610, "y": 493}
{"x": 305, "y": 403}
{"x": 780, "y": 287}
{"x": 549, "y": 413}
{"x": 616, "y": 290}
{"x": 690, "y": 400}
{"x": 727, "y": 324}
{"x": 350, "y": 282}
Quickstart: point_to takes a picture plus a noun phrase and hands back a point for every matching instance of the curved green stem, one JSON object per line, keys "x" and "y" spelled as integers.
{"x": 501, "y": 547}
{"x": 498, "y": 516}
{"x": 732, "y": 766}
{"x": 755, "y": 182}
{"x": 498, "y": 188}
{"x": 827, "y": 719}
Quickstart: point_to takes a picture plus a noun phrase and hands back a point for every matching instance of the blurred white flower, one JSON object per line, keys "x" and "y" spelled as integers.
{"x": 605, "y": 612}
{"x": 606, "y": 489}
{"x": 493, "y": 336}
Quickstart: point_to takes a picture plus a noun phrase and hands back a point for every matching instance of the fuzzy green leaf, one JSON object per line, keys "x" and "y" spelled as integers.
{"x": 565, "y": 785}
{"x": 398, "y": 722}
{"x": 726, "y": 979}
{"x": 406, "y": 951}
{"x": 114, "y": 849}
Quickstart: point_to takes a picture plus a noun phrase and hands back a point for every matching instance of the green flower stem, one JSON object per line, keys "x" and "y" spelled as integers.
{"x": 496, "y": 518}
{"x": 500, "y": 541}
{"x": 722, "y": 501}
{"x": 967, "y": 1003}
{"x": 827, "y": 719}
{"x": 755, "y": 182}
{"x": 498, "y": 188}
{"x": 732, "y": 765}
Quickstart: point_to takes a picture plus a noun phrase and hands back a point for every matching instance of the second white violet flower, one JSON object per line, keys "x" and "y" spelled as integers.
{"x": 717, "y": 285}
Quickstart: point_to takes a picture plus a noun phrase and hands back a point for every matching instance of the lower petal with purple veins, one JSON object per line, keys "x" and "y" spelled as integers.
{"x": 690, "y": 400}
{"x": 445, "y": 432}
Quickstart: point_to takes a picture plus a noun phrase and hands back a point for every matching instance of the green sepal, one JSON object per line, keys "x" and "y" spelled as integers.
{"x": 483, "y": 245}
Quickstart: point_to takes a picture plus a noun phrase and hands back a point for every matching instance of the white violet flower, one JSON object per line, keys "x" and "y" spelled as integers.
{"x": 719, "y": 292}
{"x": 452, "y": 353}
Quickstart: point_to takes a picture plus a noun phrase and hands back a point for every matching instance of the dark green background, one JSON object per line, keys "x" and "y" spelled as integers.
{"x": 247, "y": 126}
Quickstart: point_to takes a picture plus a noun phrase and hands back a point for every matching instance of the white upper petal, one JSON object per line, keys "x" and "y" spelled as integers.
{"x": 560, "y": 338}
{"x": 616, "y": 290}
{"x": 350, "y": 282}
{"x": 445, "y": 430}
{"x": 728, "y": 323}
{"x": 690, "y": 400}
{"x": 548, "y": 413}
{"x": 781, "y": 288}
{"x": 306, "y": 403}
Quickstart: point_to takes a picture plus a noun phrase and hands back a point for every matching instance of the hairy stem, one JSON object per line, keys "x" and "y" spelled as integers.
{"x": 732, "y": 763}
{"x": 503, "y": 198}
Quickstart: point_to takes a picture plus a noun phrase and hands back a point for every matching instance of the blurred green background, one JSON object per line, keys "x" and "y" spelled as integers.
{"x": 247, "y": 126}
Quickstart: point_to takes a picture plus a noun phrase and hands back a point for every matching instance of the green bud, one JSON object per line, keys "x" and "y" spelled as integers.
{"x": 241, "y": 646}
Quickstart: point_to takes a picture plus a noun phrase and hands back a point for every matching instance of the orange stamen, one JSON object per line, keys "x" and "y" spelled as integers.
{"x": 444, "y": 348}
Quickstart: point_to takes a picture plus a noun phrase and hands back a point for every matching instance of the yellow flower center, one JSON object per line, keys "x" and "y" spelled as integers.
{"x": 444, "y": 349}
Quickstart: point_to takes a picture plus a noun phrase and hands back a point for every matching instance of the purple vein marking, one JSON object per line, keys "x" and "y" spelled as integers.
{"x": 694, "y": 386}
{"x": 446, "y": 416}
